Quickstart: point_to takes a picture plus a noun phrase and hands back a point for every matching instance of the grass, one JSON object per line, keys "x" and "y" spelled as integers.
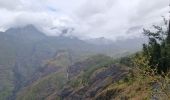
{"x": 52, "y": 83}
{"x": 95, "y": 64}
{"x": 142, "y": 83}
{"x": 43, "y": 88}
{"x": 6, "y": 92}
{"x": 127, "y": 89}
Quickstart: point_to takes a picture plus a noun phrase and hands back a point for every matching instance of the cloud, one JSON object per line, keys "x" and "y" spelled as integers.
{"x": 114, "y": 19}
{"x": 89, "y": 18}
{"x": 9, "y": 4}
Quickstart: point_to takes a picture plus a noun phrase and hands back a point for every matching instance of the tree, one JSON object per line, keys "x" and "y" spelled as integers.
{"x": 168, "y": 36}
{"x": 168, "y": 46}
{"x": 158, "y": 48}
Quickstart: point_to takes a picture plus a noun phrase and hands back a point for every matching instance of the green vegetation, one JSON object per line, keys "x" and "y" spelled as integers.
{"x": 49, "y": 60}
{"x": 25, "y": 51}
{"x": 158, "y": 48}
{"x": 6, "y": 92}
{"x": 94, "y": 64}
{"x": 142, "y": 83}
{"x": 149, "y": 77}
{"x": 43, "y": 88}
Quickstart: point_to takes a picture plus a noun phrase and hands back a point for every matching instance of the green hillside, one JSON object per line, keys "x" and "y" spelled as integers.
{"x": 50, "y": 86}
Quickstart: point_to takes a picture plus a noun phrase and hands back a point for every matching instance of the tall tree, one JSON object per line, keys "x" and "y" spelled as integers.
{"x": 158, "y": 48}
{"x": 168, "y": 47}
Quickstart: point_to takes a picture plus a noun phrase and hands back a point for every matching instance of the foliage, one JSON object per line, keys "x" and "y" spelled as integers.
{"x": 127, "y": 61}
{"x": 43, "y": 88}
{"x": 142, "y": 83}
{"x": 95, "y": 63}
{"x": 144, "y": 73}
{"x": 158, "y": 48}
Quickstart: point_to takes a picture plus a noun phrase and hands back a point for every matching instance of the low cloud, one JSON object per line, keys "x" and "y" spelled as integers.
{"x": 89, "y": 18}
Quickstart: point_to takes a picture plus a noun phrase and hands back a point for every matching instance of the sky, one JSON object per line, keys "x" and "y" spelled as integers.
{"x": 112, "y": 19}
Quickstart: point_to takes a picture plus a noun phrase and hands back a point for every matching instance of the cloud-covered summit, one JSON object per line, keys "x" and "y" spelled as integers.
{"x": 89, "y": 18}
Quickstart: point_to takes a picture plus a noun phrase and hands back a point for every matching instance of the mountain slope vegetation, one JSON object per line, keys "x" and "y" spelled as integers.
{"x": 24, "y": 51}
{"x": 38, "y": 67}
{"x": 77, "y": 78}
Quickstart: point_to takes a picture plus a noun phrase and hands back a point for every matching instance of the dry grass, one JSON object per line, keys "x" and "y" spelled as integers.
{"x": 142, "y": 83}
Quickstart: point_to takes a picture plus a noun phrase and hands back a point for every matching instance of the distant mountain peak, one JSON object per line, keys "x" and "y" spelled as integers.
{"x": 27, "y": 32}
{"x": 25, "y": 28}
{"x": 100, "y": 41}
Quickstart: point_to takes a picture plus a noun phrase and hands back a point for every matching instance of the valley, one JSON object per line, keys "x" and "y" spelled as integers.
{"x": 84, "y": 50}
{"x": 30, "y": 59}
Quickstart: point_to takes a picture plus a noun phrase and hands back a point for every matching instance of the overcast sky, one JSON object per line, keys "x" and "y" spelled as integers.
{"x": 89, "y": 18}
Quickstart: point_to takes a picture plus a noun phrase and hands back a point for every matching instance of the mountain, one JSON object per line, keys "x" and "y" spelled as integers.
{"x": 100, "y": 41}
{"x": 71, "y": 80}
{"x": 24, "y": 52}
{"x": 16, "y": 54}
{"x": 48, "y": 79}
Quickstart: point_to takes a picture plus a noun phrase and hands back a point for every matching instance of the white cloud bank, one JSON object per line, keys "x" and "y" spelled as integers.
{"x": 89, "y": 18}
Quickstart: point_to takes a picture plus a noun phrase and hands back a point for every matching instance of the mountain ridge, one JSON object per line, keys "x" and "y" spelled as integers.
{"x": 25, "y": 50}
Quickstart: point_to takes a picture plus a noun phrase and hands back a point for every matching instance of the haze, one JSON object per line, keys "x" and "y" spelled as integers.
{"x": 84, "y": 18}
